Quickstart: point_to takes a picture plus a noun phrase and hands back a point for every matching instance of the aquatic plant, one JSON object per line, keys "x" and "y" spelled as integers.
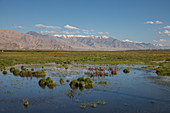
{"x": 16, "y": 72}
{"x": 110, "y": 68}
{"x": 82, "y": 82}
{"x": 88, "y": 80}
{"x": 81, "y": 78}
{"x": 25, "y": 72}
{"x": 4, "y": 72}
{"x": 81, "y": 88}
{"x": 93, "y": 105}
{"x": 102, "y": 82}
{"x": 77, "y": 100}
{"x": 32, "y": 69}
{"x": 89, "y": 86}
{"x": 50, "y": 83}
{"x": 39, "y": 73}
{"x": 83, "y": 106}
{"x": 48, "y": 78}
{"x": 74, "y": 84}
{"x": 127, "y": 70}
{"x": 101, "y": 102}
{"x": 66, "y": 67}
{"x": 163, "y": 71}
{"x": 152, "y": 101}
{"x": 114, "y": 72}
{"x": 23, "y": 68}
{"x": 61, "y": 81}
{"x": 12, "y": 69}
{"x": 26, "y": 103}
{"x": 42, "y": 82}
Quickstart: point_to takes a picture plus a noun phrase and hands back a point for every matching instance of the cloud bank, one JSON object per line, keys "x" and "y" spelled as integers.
{"x": 151, "y": 22}
{"x": 70, "y": 27}
{"x": 19, "y": 27}
{"x": 41, "y": 26}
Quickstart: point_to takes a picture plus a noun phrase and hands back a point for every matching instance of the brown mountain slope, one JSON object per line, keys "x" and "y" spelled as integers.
{"x": 14, "y": 40}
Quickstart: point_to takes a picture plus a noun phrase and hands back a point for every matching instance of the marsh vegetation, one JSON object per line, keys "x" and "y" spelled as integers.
{"x": 72, "y": 82}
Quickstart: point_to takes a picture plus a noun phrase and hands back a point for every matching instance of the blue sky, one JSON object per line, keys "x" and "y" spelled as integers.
{"x": 134, "y": 20}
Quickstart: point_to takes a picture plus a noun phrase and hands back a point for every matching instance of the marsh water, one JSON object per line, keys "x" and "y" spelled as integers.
{"x": 140, "y": 91}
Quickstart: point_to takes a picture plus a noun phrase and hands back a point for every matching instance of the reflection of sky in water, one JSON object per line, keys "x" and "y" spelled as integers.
{"x": 135, "y": 90}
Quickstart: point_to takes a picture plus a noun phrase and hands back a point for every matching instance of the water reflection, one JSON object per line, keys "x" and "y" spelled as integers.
{"x": 134, "y": 90}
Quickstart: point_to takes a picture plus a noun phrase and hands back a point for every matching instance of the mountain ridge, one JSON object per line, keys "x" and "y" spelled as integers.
{"x": 31, "y": 40}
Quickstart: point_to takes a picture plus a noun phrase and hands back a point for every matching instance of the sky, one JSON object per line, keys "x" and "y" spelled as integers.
{"x": 129, "y": 20}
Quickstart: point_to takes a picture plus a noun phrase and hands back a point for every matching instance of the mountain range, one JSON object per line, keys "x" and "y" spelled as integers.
{"x": 13, "y": 40}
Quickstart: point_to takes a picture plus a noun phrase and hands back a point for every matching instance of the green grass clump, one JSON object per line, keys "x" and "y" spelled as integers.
{"x": 39, "y": 73}
{"x": 12, "y": 69}
{"x": 5, "y": 72}
{"x": 61, "y": 81}
{"x": 42, "y": 82}
{"x": 83, "y": 106}
{"x": 101, "y": 102}
{"x": 48, "y": 78}
{"x": 163, "y": 71}
{"x": 16, "y": 72}
{"x": 102, "y": 82}
{"x": 23, "y": 68}
{"x": 81, "y": 79}
{"x": 50, "y": 83}
{"x": 127, "y": 70}
{"x": 25, "y": 72}
{"x": 93, "y": 105}
{"x": 88, "y": 80}
{"x": 114, "y": 72}
{"x": 32, "y": 69}
{"x": 82, "y": 83}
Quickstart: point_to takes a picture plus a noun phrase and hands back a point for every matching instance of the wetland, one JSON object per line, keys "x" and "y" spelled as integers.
{"x": 96, "y": 81}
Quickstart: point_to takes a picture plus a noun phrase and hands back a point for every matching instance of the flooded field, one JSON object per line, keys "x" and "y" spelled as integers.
{"x": 114, "y": 90}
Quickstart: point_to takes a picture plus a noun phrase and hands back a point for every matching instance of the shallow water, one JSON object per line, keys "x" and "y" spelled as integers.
{"x": 124, "y": 93}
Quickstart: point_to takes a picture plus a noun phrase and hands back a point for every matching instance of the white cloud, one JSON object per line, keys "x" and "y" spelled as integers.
{"x": 19, "y": 27}
{"x": 166, "y": 27}
{"x": 86, "y": 32}
{"x": 107, "y": 33}
{"x": 164, "y": 33}
{"x": 68, "y": 32}
{"x": 158, "y": 22}
{"x": 127, "y": 40}
{"x": 41, "y": 26}
{"x": 48, "y": 32}
{"x": 100, "y": 33}
{"x": 155, "y": 41}
{"x": 131, "y": 41}
{"x": 83, "y": 36}
{"x": 162, "y": 40}
{"x": 70, "y": 27}
{"x": 149, "y": 22}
